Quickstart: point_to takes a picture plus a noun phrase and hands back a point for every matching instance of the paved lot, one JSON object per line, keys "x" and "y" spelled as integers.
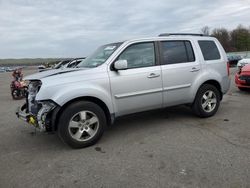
{"x": 164, "y": 148}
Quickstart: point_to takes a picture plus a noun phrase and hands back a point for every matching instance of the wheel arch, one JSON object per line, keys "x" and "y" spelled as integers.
{"x": 215, "y": 83}
{"x": 56, "y": 113}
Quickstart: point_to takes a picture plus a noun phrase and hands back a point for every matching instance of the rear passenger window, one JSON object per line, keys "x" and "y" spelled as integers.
{"x": 177, "y": 52}
{"x": 209, "y": 50}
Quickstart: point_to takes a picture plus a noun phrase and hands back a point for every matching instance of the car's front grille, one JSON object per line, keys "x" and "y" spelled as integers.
{"x": 246, "y": 78}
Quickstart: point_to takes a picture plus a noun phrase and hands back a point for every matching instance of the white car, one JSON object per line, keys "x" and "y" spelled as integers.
{"x": 243, "y": 62}
{"x": 124, "y": 78}
{"x": 2, "y": 69}
{"x": 41, "y": 67}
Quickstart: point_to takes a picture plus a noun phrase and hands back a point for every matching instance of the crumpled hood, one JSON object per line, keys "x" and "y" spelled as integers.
{"x": 40, "y": 75}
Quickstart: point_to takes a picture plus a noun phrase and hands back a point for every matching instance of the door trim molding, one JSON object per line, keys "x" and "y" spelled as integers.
{"x": 176, "y": 87}
{"x": 145, "y": 92}
{"x": 132, "y": 94}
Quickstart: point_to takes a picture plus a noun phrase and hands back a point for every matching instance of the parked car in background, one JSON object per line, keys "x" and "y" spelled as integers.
{"x": 62, "y": 63}
{"x": 2, "y": 69}
{"x": 69, "y": 63}
{"x": 242, "y": 78}
{"x": 73, "y": 63}
{"x": 233, "y": 59}
{"x": 41, "y": 67}
{"x": 8, "y": 69}
{"x": 124, "y": 78}
{"x": 59, "y": 65}
{"x": 243, "y": 62}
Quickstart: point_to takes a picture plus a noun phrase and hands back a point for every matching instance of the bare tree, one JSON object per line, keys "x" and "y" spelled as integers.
{"x": 223, "y": 35}
{"x": 237, "y": 39}
{"x": 240, "y": 38}
{"x": 205, "y": 30}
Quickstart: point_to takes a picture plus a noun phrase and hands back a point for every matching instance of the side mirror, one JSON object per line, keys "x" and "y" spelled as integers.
{"x": 121, "y": 65}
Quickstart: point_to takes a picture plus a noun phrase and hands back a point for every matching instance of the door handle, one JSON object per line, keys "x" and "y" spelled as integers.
{"x": 194, "y": 69}
{"x": 153, "y": 75}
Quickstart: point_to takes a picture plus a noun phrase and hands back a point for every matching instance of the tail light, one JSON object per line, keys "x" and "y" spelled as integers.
{"x": 228, "y": 70}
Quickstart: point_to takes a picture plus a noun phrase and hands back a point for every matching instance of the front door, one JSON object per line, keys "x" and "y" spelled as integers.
{"x": 139, "y": 87}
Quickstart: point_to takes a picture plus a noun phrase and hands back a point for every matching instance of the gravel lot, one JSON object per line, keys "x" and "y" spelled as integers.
{"x": 163, "y": 148}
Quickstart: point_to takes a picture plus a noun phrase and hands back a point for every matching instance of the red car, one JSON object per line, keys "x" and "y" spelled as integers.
{"x": 242, "y": 78}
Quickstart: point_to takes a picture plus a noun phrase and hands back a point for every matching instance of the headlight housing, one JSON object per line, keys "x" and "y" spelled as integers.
{"x": 34, "y": 86}
{"x": 33, "y": 89}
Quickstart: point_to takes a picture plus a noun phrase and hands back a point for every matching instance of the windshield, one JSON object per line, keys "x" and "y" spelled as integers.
{"x": 99, "y": 56}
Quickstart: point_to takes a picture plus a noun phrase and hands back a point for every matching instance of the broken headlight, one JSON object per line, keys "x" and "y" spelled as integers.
{"x": 33, "y": 89}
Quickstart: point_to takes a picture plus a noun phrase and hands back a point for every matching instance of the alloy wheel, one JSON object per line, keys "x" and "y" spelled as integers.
{"x": 209, "y": 101}
{"x": 83, "y": 126}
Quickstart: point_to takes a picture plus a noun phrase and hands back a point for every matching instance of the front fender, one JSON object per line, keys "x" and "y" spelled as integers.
{"x": 61, "y": 95}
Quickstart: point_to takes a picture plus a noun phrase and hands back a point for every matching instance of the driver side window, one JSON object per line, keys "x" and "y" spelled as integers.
{"x": 139, "y": 55}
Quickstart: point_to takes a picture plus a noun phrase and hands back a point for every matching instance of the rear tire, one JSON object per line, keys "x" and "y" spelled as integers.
{"x": 81, "y": 124}
{"x": 207, "y": 101}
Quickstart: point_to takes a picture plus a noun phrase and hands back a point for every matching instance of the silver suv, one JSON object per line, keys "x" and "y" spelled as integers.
{"x": 127, "y": 77}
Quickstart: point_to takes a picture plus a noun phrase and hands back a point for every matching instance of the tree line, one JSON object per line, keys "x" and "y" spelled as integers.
{"x": 235, "y": 40}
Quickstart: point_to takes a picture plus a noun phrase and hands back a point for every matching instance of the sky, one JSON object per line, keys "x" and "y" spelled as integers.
{"x": 75, "y": 28}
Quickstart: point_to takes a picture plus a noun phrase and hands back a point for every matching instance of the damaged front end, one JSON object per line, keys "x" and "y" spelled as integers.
{"x": 37, "y": 113}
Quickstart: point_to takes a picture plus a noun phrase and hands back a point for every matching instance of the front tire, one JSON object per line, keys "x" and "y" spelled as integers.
{"x": 207, "y": 101}
{"x": 81, "y": 124}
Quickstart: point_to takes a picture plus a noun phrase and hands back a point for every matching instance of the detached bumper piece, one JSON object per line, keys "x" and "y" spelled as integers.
{"x": 21, "y": 114}
{"x": 38, "y": 120}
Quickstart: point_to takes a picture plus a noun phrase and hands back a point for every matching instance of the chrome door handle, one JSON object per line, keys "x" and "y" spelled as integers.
{"x": 153, "y": 75}
{"x": 194, "y": 69}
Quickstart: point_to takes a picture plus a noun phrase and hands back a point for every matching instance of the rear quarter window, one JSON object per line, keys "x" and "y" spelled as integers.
{"x": 209, "y": 50}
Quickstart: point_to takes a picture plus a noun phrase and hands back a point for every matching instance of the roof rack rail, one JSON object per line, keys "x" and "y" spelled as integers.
{"x": 193, "y": 34}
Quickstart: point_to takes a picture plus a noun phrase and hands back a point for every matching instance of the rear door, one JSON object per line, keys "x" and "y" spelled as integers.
{"x": 180, "y": 68}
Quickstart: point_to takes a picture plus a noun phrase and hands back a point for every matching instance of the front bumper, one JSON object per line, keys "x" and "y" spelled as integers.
{"x": 41, "y": 120}
{"x": 21, "y": 114}
{"x": 241, "y": 83}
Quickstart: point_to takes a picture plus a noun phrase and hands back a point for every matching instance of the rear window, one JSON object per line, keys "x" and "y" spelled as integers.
{"x": 177, "y": 52}
{"x": 209, "y": 50}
